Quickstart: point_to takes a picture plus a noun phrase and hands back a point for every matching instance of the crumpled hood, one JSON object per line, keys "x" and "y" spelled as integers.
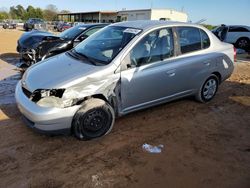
{"x": 31, "y": 39}
{"x": 60, "y": 71}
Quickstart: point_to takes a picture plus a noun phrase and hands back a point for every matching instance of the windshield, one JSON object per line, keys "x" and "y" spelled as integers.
{"x": 104, "y": 45}
{"x": 35, "y": 21}
{"x": 72, "y": 32}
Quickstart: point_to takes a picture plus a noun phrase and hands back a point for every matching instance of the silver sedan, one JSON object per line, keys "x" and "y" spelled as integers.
{"x": 122, "y": 68}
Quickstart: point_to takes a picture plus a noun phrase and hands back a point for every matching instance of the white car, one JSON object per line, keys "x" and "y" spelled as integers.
{"x": 239, "y": 35}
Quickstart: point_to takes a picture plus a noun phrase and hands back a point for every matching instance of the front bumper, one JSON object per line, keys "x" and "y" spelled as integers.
{"x": 44, "y": 119}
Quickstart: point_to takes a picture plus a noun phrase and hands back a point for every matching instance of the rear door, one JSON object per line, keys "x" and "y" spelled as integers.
{"x": 194, "y": 57}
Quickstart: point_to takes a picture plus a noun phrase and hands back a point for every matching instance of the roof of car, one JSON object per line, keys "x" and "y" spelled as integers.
{"x": 91, "y": 25}
{"x": 234, "y": 25}
{"x": 146, "y": 24}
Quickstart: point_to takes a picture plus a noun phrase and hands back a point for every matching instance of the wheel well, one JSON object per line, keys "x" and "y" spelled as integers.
{"x": 218, "y": 76}
{"x": 100, "y": 96}
{"x": 242, "y": 38}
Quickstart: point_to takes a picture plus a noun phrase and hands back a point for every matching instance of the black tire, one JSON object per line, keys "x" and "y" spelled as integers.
{"x": 242, "y": 43}
{"x": 204, "y": 94}
{"x": 94, "y": 119}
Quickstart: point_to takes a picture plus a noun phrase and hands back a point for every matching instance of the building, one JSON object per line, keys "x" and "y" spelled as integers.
{"x": 124, "y": 15}
{"x": 152, "y": 14}
{"x": 89, "y": 17}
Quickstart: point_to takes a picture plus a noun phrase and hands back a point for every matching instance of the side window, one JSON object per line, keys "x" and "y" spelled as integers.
{"x": 155, "y": 46}
{"x": 92, "y": 31}
{"x": 204, "y": 39}
{"x": 238, "y": 29}
{"x": 189, "y": 39}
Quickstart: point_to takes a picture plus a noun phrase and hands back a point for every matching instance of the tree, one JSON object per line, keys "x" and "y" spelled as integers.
{"x": 39, "y": 13}
{"x": 50, "y": 13}
{"x": 13, "y": 12}
{"x": 20, "y": 11}
{"x": 4, "y": 15}
{"x": 32, "y": 12}
{"x": 210, "y": 27}
{"x": 64, "y": 11}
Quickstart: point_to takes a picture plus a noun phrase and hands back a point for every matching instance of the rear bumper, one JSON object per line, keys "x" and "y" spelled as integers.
{"x": 42, "y": 119}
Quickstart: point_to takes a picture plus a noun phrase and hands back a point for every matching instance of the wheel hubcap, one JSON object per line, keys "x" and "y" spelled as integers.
{"x": 209, "y": 89}
{"x": 242, "y": 43}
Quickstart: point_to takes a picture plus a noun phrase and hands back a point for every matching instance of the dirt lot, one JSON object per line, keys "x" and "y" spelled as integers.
{"x": 205, "y": 145}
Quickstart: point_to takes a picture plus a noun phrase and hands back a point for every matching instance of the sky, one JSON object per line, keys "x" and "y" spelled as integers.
{"x": 214, "y": 11}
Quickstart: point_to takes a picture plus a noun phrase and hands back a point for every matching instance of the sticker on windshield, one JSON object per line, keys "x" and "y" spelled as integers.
{"x": 134, "y": 31}
{"x": 82, "y": 28}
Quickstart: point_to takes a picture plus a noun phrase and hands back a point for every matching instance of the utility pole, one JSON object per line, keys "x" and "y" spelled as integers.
{"x": 151, "y": 4}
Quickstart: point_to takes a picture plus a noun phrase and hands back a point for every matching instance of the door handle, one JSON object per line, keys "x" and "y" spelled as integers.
{"x": 207, "y": 63}
{"x": 171, "y": 73}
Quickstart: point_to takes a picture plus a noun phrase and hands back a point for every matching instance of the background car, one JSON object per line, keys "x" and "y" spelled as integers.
{"x": 10, "y": 24}
{"x": 34, "y": 23}
{"x": 77, "y": 23}
{"x": 63, "y": 26}
{"x": 239, "y": 35}
{"x": 38, "y": 45}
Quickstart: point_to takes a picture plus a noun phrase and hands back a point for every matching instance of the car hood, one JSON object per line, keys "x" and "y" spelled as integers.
{"x": 31, "y": 39}
{"x": 60, "y": 71}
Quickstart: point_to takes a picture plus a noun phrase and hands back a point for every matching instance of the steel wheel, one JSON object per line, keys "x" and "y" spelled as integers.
{"x": 94, "y": 119}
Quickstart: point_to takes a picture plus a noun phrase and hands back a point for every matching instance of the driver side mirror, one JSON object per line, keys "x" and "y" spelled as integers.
{"x": 81, "y": 38}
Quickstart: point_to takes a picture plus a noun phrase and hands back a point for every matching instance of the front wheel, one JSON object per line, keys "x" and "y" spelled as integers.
{"x": 208, "y": 89}
{"x": 94, "y": 119}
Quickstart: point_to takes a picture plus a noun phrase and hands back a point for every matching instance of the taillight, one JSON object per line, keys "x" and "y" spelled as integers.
{"x": 235, "y": 54}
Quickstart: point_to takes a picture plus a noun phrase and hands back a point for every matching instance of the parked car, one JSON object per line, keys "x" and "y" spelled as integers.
{"x": 63, "y": 26}
{"x": 10, "y": 24}
{"x": 55, "y": 24}
{"x": 34, "y": 23}
{"x": 77, "y": 23}
{"x": 124, "y": 67}
{"x": 35, "y": 46}
{"x": 239, "y": 35}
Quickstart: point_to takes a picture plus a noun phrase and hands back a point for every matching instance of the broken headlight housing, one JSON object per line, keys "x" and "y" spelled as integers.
{"x": 42, "y": 93}
{"x": 51, "y": 98}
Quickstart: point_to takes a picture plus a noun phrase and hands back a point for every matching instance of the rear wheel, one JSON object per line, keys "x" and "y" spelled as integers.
{"x": 208, "y": 89}
{"x": 94, "y": 119}
{"x": 242, "y": 43}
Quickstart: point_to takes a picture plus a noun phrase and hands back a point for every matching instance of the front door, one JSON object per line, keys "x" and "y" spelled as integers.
{"x": 148, "y": 74}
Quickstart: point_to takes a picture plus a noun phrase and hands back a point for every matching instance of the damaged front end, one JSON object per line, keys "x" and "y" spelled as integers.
{"x": 33, "y": 45}
{"x": 28, "y": 57}
{"x": 62, "y": 98}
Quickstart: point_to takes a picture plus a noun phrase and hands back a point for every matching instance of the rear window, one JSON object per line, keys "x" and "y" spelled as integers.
{"x": 72, "y": 33}
{"x": 205, "y": 39}
{"x": 192, "y": 39}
